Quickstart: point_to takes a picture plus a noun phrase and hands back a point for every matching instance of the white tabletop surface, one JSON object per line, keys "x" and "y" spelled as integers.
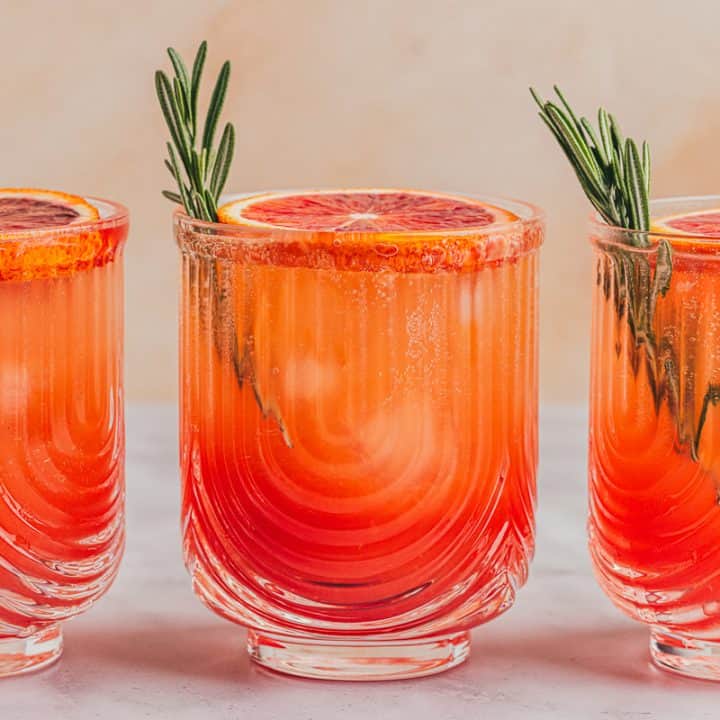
{"x": 149, "y": 649}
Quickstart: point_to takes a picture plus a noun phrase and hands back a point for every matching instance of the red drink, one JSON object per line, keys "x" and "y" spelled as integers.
{"x": 359, "y": 424}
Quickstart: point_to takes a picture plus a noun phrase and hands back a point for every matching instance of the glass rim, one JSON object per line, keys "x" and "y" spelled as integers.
{"x": 116, "y": 214}
{"x": 529, "y": 214}
{"x": 683, "y": 242}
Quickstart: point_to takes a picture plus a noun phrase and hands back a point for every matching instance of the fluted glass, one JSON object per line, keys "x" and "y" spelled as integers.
{"x": 655, "y": 437}
{"x": 61, "y": 429}
{"x": 359, "y": 439}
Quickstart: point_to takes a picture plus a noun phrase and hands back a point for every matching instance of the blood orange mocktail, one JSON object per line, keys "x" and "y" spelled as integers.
{"x": 359, "y": 402}
{"x": 655, "y": 430}
{"x": 61, "y": 415}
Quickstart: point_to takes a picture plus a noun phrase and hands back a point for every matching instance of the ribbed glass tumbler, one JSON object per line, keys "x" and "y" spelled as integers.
{"x": 61, "y": 428}
{"x": 359, "y": 437}
{"x": 655, "y": 429}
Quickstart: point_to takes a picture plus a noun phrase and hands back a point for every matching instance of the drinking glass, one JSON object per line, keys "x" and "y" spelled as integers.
{"x": 655, "y": 433}
{"x": 61, "y": 429}
{"x": 359, "y": 437}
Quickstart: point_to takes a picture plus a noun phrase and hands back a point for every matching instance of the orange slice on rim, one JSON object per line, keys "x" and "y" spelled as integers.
{"x": 368, "y": 211}
{"x": 700, "y": 224}
{"x": 44, "y": 234}
{"x": 23, "y": 209}
{"x": 402, "y": 230}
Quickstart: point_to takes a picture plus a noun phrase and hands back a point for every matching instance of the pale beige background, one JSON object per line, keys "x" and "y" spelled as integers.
{"x": 421, "y": 93}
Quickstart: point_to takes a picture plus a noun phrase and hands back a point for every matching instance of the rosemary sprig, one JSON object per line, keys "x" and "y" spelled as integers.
{"x": 615, "y": 176}
{"x": 200, "y": 172}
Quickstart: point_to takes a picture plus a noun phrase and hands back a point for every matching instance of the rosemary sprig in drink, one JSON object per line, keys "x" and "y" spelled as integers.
{"x": 201, "y": 171}
{"x": 615, "y": 176}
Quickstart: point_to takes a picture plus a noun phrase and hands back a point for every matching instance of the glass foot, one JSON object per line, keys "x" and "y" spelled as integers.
{"x": 685, "y": 655}
{"x": 358, "y": 658}
{"x": 21, "y": 655}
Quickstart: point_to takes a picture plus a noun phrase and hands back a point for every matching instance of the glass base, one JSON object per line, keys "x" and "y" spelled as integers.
{"x": 358, "y": 658}
{"x": 685, "y": 655}
{"x": 24, "y": 654}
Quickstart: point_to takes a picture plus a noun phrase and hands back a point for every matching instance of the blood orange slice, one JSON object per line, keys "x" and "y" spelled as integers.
{"x": 44, "y": 234}
{"x": 363, "y": 211}
{"x": 703, "y": 223}
{"x": 25, "y": 209}
{"x": 369, "y": 230}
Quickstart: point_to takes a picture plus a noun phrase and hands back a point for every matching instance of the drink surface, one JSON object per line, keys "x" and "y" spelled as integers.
{"x": 358, "y": 447}
{"x": 655, "y": 444}
{"x": 62, "y": 439}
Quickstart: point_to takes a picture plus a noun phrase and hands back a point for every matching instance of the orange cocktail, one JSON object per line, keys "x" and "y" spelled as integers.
{"x": 359, "y": 402}
{"x": 61, "y": 415}
{"x": 655, "y": 430}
